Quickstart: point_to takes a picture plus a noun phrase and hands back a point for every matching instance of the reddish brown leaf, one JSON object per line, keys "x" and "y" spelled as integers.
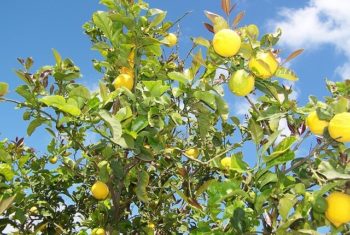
{"x": 211, "y": 16}
{"x": 194, "y": 203}
{"x": 238, "y": 18}
{"x": 233, "y": 7}
{"x": 226, "y": 5}
{"x": 293, "y": 55}
{"x": 209, "y": 27}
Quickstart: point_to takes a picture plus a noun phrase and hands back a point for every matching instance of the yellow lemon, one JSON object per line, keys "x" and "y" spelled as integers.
{"x": 126, "y": 70}
{"x": 151, "y": 225}
{"x": 226, "y": 42}
{"x": 263, "y": 65}
{"x": 339, "y": 127}
{"x": 34, "y": 210}
{"x": 99, "y": 190}
{"x": 53, "y": 160}
{"x": 131, "y": 58}
{"x": 315, "y": 125}
{"x": 124, "y": 80}
{"x": 226, "y": 162}
{"x": 192, "y": 152}
{"x": 241, "y": 83}
{"x": 171, "y": 39}
{"x": 98, "y": 231}
{"x": 338, "y": 210}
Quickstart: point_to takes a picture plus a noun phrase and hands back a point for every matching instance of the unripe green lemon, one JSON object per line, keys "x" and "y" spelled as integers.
{"x": 263, "y": 65}
{"x": 226, "y": 42}
{"x": 241, "y": 83}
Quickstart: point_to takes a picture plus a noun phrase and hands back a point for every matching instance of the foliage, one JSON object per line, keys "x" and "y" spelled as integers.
{"x": 143, "y": 134}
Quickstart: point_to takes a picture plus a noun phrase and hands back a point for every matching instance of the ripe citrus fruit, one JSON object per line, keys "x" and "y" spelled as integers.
{"x": 315, "y": 125}
{"x": 98, "y": 231}
{"x": 171, "y": 39}
{"x": 34, "y": 210}
{"x": 338, "y": 211}
{"x": 124, "y": 80}
{"x": 241, "y": 83}
{"x": 53, "y": 160}
{"x": 226, "y": 42}
{"x": 192, "y": 152}
{"x": 99, "y": 190}
{"x": 339, "y": 127}
{"x": 151, "y": 225}
{"x": 226, "y": 162}
{"x": 126, "y": 70}
{"x": 263, "y": 65}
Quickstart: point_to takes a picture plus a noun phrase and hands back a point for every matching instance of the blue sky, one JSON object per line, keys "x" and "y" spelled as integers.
{"x": 33, "y": 28}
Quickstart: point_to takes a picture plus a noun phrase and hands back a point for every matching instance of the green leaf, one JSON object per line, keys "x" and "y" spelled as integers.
{"x": 25, "y": 92}
{"x": 267, "y": 178}
{"x": 34, "y": 124}
{"x": 103, "y": 91}
{"x": 3, "y": 88}
{"x": 237, "y": 163}
{"x": 156, "y": 88}
{"x": 80, "y": 91}
{"x": 285, "y": 157}
{"x": 256, "y": 131}
{"x": 6, "y": 203}
{"x": 139, "y": 123}
{"x": 142, "y": 183}
{"x": 201, "y": 41}
{"x": 158, "y": 18}
{"x": 180, "y": 77}
{"x": 281, "y": 148}
{"x": 60, "y": 103}
{"x": 286, "y": 204}
{"x": 261, "y": 199}
{"x": 104, "y": 23}
{"x": 222, "y": 107}
{"x": 286, "y": 73}
{"x": 328, "y": 171}
{"x": 114, "y": 125}
{"x": 57, "y": 56}
{"x": 204, "y": 187}
{"x": 6, "y": 171}
{"x": 177, "y": 118}
{"x": 340, "y": 105}
{"x": 207, "y": 97}
{"x": 103, "y": 171}
{"x": 270, "y": 141}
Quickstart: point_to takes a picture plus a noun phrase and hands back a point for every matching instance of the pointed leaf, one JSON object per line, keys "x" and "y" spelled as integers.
{"x": 104, "y": 23}
{"x": 3, "y": 88}
{"x": 57, "y": 56}
{"x": 6, "y": 203}
{"x": 293, "y": 55}
{"x": 34, "y": 124}
{"x": 114, "y": 125}
{"x": 6, "y": 171}
{"x": 238, "y": 19}
{"x": 142, "y": 183}
{"x": 177, "y": 76}
{"x": 256, "y": 131}
{"x": 285, "y": 73}
{"x": 209, "y": 27}
{"x": 226, "y": 6}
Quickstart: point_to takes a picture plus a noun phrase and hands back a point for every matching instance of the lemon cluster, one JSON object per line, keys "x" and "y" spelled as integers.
{"x": 264, "y": 65}
{"x": 338, "y": 127}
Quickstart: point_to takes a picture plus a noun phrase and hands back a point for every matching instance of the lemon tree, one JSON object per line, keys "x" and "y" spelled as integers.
{"x": 170, "y": 154}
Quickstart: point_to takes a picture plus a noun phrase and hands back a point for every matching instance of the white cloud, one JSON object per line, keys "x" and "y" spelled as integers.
{"x": 320, "y": 22}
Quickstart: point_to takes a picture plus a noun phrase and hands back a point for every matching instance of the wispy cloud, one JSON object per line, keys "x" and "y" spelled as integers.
{"x": 320, "y": 22}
